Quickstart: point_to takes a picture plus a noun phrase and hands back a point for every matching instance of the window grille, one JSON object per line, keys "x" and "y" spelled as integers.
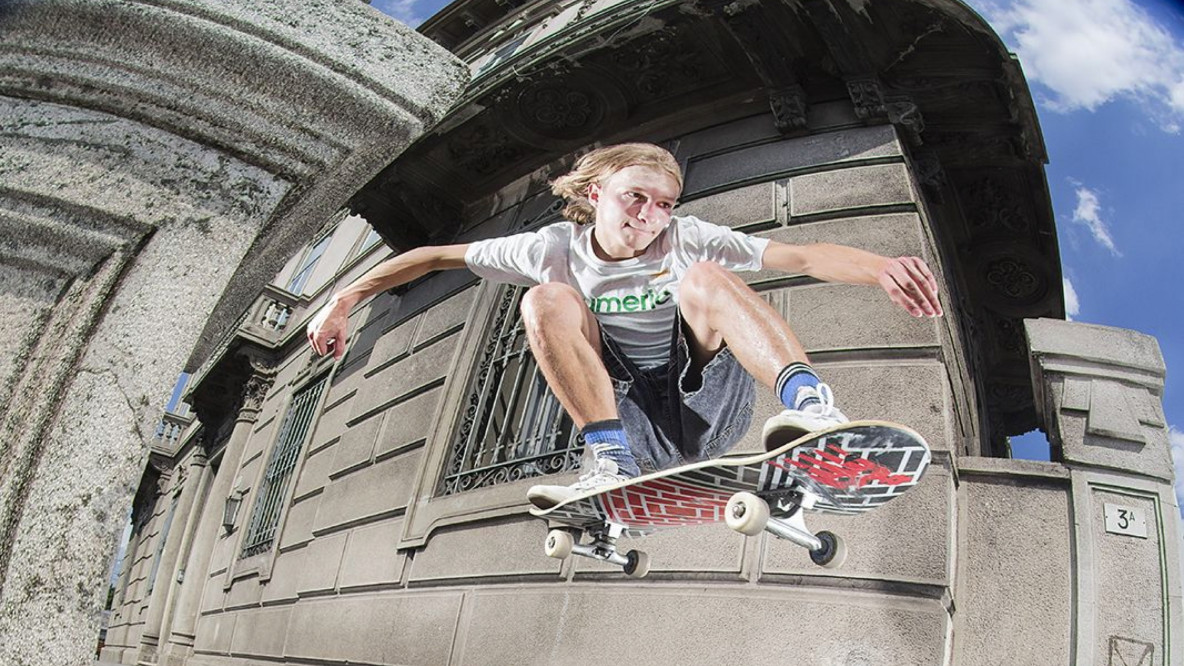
{"x": 514, "y": 427}
{"x": 269, "y": 500}
{"x": 160, "y": 541}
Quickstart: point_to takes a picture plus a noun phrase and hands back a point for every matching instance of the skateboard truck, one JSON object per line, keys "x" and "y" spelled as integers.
{"x": 561, "y": 544}
{"x": 750, "y": 515}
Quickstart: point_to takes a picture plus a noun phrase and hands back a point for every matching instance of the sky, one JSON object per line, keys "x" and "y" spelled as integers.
{"x": 1108, "y": 80}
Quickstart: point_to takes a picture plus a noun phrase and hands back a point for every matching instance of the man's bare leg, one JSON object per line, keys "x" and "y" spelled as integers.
{"x": 720, "y": 308}
{"x": 565, "y": 340}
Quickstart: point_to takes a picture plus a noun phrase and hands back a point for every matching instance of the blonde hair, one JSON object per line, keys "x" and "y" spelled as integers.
{"x": 598, "y": 165}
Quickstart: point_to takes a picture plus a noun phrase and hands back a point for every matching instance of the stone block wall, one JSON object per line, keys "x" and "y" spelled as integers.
{"x": 1076, "y": 561}
{"x": 367, "y": 544}
{"x": 989, "y": 560}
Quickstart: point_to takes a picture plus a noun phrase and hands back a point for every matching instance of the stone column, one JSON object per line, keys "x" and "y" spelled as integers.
{"x": 1100, "y": 394}
{"x": 165, "y": 576}
{"x": 209, "y": 523}
{"x": 159, "y": 162}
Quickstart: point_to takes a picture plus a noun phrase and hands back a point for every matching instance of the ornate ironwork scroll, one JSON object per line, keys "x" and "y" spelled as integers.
{"x": 513, "y": 426}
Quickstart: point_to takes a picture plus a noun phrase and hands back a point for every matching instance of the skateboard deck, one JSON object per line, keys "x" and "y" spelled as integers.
{"x": 850, "y": 469}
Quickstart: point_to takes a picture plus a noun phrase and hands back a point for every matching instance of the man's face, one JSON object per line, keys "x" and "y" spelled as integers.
{"x": 632, "y": 207}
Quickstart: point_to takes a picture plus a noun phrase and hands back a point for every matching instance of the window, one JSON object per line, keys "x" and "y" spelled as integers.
{"x": 269, "y": 500}
{"x": 371, "y": 239}
{"x": 513, "y": 426}
{"x": 502, "y": 54}
{"x": 300, "y": 279}
{"x": 160, "y": 541}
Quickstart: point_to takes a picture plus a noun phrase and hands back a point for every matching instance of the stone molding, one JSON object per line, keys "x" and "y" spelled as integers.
{"x": 1100, "y": 393}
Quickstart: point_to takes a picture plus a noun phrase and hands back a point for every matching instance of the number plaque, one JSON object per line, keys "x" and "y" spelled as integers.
{"x": 1126, "y": 520}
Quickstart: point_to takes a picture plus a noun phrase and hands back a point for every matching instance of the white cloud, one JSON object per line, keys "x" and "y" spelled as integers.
{"x": 1089, "y": 52}
{"x": 1176, "y": 439}
{"x": 1089, "y": 213}
{"x": 1072, "y": 305}
{"x": 402, "y": 10}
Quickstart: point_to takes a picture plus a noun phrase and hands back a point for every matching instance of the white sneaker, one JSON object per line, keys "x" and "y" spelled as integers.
{"x": 603, "y": 473}
{"x": 794, "y": 423}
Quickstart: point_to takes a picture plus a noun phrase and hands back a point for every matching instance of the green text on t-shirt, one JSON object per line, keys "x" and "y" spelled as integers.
{"x": 647, "y": 300}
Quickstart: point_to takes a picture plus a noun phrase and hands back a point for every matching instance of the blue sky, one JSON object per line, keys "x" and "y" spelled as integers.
{"x": 1108, "y": 79}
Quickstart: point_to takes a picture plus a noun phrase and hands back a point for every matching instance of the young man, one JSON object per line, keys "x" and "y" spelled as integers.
{"x": 636, "y": 319}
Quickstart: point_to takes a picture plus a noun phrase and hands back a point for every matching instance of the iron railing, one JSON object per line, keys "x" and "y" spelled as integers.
{"x": 269, "y": 500}
{"x": 513, "y": 427}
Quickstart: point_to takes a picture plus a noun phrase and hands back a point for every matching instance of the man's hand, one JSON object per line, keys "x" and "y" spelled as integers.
{"x": 911, "y": 285}
{"x": 327, "y": 331}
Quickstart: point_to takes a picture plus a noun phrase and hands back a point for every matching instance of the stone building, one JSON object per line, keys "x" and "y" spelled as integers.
{"x": 372, "y": 511}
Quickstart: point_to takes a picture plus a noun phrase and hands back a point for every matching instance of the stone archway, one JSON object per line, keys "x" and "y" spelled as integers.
{"x": 158, "y": 163}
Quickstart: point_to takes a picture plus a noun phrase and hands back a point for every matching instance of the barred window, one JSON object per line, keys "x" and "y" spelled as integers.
{"x": 269, "y": 501}
{"x": 160, "y": 541}
{"x": 514, "y": 426}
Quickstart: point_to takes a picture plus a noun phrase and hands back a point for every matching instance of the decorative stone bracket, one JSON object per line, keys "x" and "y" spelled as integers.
{"x": 1099, "y": 391}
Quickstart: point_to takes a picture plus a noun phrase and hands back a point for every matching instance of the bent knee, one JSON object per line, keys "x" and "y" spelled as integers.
{"x": 549, "y": 300}
{"x": 703, "y": 279}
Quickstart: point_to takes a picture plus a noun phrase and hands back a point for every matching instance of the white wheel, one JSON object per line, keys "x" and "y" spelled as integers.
{"x": 638, "y": 565}
{"x": 833, "y": 552}
{"x": 747, "y": 514}
{"x": 559, "y": 544}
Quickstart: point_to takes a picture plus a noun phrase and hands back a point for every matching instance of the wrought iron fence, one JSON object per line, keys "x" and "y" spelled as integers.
{"x": 269, "y": 500}
{"x": 513, "y": 426}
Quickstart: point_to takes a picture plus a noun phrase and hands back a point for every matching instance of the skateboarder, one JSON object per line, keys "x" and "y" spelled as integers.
{"x": 638, "y": 322}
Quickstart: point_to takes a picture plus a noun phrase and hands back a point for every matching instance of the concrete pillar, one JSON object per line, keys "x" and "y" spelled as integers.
{"x": 173, "y": 547}
{"x": 159, "y": 161}
{"x": 1100, "y": 393}
{"x": 203, "y": 481}
{"x": 209, "y": 523}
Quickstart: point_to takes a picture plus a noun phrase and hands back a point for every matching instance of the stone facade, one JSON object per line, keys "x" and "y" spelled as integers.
{"x": 988, "y": 557}
{"x": 322, "y": 512}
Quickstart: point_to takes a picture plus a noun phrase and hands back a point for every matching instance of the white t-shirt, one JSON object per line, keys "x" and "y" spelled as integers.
{"x": 633, "y": 299}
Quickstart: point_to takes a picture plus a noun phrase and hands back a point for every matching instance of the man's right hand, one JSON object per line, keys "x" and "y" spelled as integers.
{"x": 328, "y": 330}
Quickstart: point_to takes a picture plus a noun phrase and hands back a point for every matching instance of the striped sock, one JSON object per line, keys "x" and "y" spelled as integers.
{"x": 793, "y": 377}
{"x": 607, "y": 440}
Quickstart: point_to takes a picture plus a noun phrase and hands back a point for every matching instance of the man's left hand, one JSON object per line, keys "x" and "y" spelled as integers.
{"x": 911, "y": 285}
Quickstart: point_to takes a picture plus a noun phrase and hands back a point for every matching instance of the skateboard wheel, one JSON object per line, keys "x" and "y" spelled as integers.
{"x": 747, "y": 514}
{"x": 638, "y": 564}
{"x": 559, "y": 544}
{"x": 833, "y": 552}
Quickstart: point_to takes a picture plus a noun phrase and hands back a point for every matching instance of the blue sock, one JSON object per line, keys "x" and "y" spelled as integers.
{"x": 606, "y": 439}
{"x": 793, "y": 377}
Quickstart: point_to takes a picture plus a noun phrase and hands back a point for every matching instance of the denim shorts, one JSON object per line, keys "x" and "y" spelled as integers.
{"x": 674, "y": 415}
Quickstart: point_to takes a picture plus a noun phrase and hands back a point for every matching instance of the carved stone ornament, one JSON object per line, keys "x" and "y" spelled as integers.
{"x": 904, "y": 113}
{"x": 662, "y": 63}
{"x": 1009, "y": 334}
{"x": 1015, "y": 279}
{"x": 868, "y": 97}
{"x": 483, "y": 149}
{"x": 789, "y": 108}
{"x": 993, "y": 206}
{"x": 257, "y": 385}
{"x": 930, "y": 174}
{"x": 560, "y": 111}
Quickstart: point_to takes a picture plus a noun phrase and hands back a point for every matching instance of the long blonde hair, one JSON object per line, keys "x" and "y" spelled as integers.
{"x": 598, "y": 165}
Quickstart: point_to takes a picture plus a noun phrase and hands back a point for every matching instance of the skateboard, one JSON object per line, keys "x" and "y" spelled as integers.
{"x": 850, "y": 469}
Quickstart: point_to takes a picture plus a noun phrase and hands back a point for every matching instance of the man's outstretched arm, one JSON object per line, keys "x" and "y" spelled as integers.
{"x": 328, "y": 330}
{"x": 908, "y": 280}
